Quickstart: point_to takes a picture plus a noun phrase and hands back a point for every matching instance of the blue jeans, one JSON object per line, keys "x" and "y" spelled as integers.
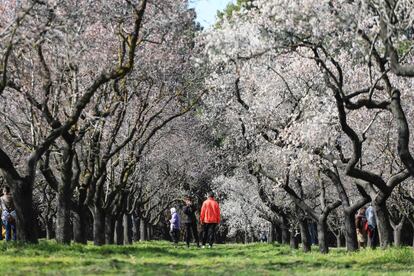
{"x": 9, "y": 228}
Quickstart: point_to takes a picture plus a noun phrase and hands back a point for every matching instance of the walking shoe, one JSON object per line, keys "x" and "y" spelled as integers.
{"x": 210, "y": 246}
{"x": 203, "y": 246}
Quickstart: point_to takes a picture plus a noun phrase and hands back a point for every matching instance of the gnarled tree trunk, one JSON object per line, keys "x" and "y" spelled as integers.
{"x": 80, "y": 217}
{"x": 64, "y": 197}
{"x": 383, "y": 224}
{"x": 285, "y": 231}
{"x": 350, "y": 231}
{"x": 322, "y": 233}
{"x": 143, "y": 230}
{"x": 98, "y": 226}
{"x": 119, "y": 230}
{"x": 338, "y": 240}
{"x": 397, "y": 228}
{"x": 135, "y": 229}
{"x": 304, "y": 234}
{"x": 109, "y": 229}
{"x": 63, "y": 227}
{"x": 293, "y": 241}
{"x": 127, "y": 227}
{"x": 49, "y": 229}
{"x": 23, "y": 202}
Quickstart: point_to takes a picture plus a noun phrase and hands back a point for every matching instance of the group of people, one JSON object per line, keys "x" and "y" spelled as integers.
{"x": 209, "y": 219}
{"x": 366, "y": 227}
{"x": 8, "y": 215}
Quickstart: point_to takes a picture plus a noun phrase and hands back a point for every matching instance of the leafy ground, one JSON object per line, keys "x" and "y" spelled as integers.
{"x": 160, "y": 258}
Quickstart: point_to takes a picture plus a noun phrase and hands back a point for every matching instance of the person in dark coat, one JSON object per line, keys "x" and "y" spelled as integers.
{"x": 190, "y": 222}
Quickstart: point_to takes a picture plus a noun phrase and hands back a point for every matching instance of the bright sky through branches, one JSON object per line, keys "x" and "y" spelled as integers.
{"x": 207, "y": 9}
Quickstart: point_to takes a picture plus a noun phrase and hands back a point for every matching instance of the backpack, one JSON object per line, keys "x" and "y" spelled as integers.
{"x": 367, "y": 229}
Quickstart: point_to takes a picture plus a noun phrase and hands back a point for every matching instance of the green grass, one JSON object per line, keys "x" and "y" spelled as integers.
{"x": 160, "y": 258}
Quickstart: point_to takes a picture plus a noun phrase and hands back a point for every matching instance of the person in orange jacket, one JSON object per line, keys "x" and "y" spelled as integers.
{"x": 209, "y": 218}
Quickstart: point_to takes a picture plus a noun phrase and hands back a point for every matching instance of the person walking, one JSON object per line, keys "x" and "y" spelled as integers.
{"x": 209, "y": 218}
{"x": 8, "y": 213}
{"x": 190, "y": 222}
{"x": 263, "y": 233}
{"x": 371, "y": 226}
{"x": 360, "y": 222}
{"x": 174, "y": 226}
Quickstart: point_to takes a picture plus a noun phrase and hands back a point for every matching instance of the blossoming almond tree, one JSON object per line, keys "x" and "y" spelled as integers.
{"x": 46, "y": 24}
{"x": 341, "y": 38}
{"x": 72, "y": 96}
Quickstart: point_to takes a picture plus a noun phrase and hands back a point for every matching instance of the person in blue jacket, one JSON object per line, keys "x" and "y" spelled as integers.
{"x": 371, "y": 226}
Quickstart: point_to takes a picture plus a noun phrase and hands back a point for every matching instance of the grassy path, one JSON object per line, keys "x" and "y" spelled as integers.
{"x": 159, "y": 258}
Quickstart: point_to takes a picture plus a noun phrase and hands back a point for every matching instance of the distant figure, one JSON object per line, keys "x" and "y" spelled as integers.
{"x": 371, "y": 226}
{"x": 8, "y": 213}
{"x": 360, "y": 223}
{"x": 174, "y": 226}
{"x": 263, "y": 233}
{"x": 209, "y": 218}
{"x": 190, "y": 222}
{"x": 313, "y": 232}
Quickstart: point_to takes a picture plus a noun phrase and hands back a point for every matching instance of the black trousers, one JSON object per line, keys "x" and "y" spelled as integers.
{"x": 175, "y": 235}
{"x": 191, "y": 231}
{"x": 374, "y": 238}
{"x": 209, "y": 233}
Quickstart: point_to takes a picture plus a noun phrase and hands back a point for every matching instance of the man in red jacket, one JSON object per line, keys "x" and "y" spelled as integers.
{"x": 209, "y": 218}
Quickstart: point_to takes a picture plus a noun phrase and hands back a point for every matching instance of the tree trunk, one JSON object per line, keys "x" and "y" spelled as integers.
{"x": 338, "y": 240}
{"x": 80, "y": 216}
{"x": 98, "y": 226}
{"x": 64, "y": 197}
{"x": 149, "y": 232}
{"x": 293, "y": 241}
{"x": 397, "y": 232}
{"x": 383, "y": 224}
{"x": 412, "y": 232}
{"x": 119, "y": 231}
{"x": 143, "y": 230}
{"x": 127, "y": 229}
{"x": 277, "y": 235}
{"x": 304, "y": 233}
{"x": 135, "y": 228}
{"x": 322, "y": 234}
{"x": 49, "y": 229}
{"x": 397, "y": 236}
{"x": 23, "y": 202}
{"x": 79, "y": 225}
{"x": 350, "y": 231}
{"x": 271, "y": 235}
{"x": 109, "y": 229}
{"x": 63, "y": 227}
{"x": 285, "y": 231}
